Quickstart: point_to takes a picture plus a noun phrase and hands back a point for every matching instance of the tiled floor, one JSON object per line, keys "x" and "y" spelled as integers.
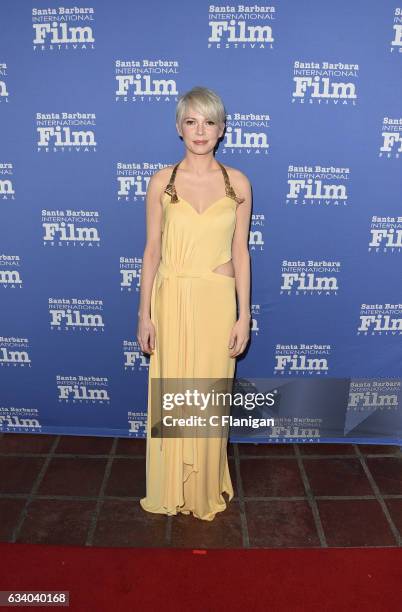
{"x": 85, "y": 491}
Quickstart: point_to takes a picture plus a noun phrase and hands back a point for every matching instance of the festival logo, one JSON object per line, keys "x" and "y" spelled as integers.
{"x": 391, "y": 143}
{"x": 246, "y": 134}
{"x": 7, "y": 191}
{"x": 325, "y": 83}
{"x": 14, "y": 419}
{"x": 310, "y": 277}
{"x": 385, "y": 235}
{"x": 15, "y": 352}
{"x": 380, "y": 398}
{"x": 256, "y": 237}
{"x": 146, "y": 80}
{"x": 132, "y": 180}
{"x": 66, "y": 132}
{"x": 367, "y": 396}
{"x": 63, "y": 28}
{"x": 302, "y": 359}
{"x": 241, "y": 26}
{"x": 134, "y": 359}
{"x": 130, "y": 274}
{"x": 380, "y": 320}
{"x": 76, "y": 314}
{"x": 137, "y": 422}
{"x": 317, "y": 185}
{"x": 396, "y": 41}
{"x": 78, "y": 390}
{"x": 10, "y": 272}
{"x": 72, "y": 228}
{"x": 289, "y": 429}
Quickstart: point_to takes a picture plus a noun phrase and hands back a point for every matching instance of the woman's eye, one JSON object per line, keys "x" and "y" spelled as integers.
{"x": 190, "y": 122}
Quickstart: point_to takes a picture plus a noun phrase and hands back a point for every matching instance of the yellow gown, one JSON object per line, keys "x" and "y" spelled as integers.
{"x": 193, "y": 309}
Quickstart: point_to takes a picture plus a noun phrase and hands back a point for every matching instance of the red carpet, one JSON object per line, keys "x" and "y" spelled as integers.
{"x": 127, "y": 579}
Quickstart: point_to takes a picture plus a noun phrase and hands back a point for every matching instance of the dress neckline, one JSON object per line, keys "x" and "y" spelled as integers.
{"x": 201, "y": 214}
{"x": 171, "y": 190}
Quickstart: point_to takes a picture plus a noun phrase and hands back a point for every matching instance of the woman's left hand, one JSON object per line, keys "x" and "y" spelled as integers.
{"x": 239, "y": 336}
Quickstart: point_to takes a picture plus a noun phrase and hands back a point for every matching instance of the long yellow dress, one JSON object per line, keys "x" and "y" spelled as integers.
{"x": 193, "y": 309}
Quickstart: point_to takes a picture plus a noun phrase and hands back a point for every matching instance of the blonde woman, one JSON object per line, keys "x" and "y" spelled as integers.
{"x": 195, "y": 262}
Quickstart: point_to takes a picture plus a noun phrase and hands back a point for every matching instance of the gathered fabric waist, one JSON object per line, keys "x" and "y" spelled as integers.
{"x": 169, "y": 271}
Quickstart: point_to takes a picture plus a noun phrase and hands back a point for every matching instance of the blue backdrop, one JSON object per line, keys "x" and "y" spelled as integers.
{"x": 313, "y": 93}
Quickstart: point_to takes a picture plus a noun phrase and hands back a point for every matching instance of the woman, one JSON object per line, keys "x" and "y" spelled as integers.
{"x": 195, "y": 260}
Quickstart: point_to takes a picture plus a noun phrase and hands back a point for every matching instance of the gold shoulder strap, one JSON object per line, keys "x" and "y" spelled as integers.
{"x": 230, "y": 192}
{"x": 170, "y": 188}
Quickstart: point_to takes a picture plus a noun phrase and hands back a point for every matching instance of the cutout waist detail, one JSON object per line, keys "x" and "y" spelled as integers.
{"x": 186, "y": 272}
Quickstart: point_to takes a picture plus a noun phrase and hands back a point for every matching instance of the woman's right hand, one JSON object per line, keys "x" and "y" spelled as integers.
{"x": 146, "y": 334}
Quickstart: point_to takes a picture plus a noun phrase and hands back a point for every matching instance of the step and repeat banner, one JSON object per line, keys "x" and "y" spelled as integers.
{"x": 313, "y": 95}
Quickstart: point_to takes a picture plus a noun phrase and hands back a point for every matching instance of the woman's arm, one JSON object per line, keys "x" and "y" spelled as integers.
{"x": 240, "y": 252}
{"x": 150, "y": 261}
{"x": 241, "y": 262}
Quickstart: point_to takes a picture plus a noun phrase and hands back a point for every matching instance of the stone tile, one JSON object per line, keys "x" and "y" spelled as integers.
{"x": 376, "y": 449}
{"x": 131, "y": 446}
{"x": 281, "y": 523}
{"x": 271, "y": 477}
{"x": 223, "y": 532}
{"x": 26, "y": 443}
{"x": 56, "y": 521}
{"x": 127, "y": 478}
{"x": 10, "y": 510}
{"x": 395, "y": 509}
{"x": 387, "y": 473}
{"x": 19, "y": 473}
{"x": 84, "y": 445}
{"x": 337, "y": 477}
{"x": 125, "y": 523}
{"x": 73, "y": 476}
{"x": 355, "y": 523}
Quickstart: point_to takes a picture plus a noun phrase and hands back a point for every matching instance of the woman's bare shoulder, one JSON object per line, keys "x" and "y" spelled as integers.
{"x": 158, "y": 182}
{"x": 237, "y": 175}
{"x": 239, "y": 181}
{"x": 162, "y": 176}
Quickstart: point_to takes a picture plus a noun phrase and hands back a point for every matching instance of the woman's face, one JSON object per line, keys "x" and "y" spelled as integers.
{"x": 199, "y": 133}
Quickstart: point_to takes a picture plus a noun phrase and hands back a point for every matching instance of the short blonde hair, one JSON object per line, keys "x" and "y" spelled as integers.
{"x": 203, "y": 100}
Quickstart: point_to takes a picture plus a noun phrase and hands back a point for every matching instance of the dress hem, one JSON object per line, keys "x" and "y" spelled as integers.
{"x": 208, "y": 517}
